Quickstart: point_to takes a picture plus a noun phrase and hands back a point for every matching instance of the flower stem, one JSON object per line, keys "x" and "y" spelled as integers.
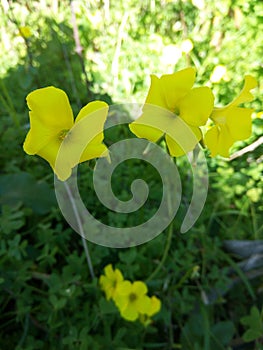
{"x": 81, "y": 231}
{"x": 6, "y": 100}
{"x": 165, "y": 253}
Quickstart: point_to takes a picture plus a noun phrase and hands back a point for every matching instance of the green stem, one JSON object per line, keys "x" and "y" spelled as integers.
{"x": 240, "y": 274}
{"x": 165, "y": 253}
{"x": 8, "y": 104}
{"x": 204, "y": 312}
{"x": 183, "y": 279}
{"x": 81, "y": 230}
{"x": 79, "y": 48}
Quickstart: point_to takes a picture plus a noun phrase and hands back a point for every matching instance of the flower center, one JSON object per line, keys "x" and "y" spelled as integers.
{"x": 63, "y": 133}
{"x": 176, "y": 111}
{"x": 220, "y": 120}
{"x": 132, "y": 297}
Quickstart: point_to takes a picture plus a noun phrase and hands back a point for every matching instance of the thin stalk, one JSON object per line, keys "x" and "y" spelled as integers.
{"x": 254, "y": 220}
{"x": 206, "y": 328}
{"x": 30, "y": 56}
{"x": 165, "y": 253}
{"x": 5, "y": 99}
{"x": 81, "y": 231}
{"x": 70, "y": 71}
{"x": 79, "y": 48}
{"x": 115, "y": 61}
{"x": 25, "y": 332}
{"x": 169, "y": 239}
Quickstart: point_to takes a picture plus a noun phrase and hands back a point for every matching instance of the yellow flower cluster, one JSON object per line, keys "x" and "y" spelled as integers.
{"x": 173, "y": 110}
{"x": 130, "y": 297}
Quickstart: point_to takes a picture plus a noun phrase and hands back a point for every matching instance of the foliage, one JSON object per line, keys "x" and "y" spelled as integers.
{"x": 254, "y": 322}
{"x": 48, "y": 299}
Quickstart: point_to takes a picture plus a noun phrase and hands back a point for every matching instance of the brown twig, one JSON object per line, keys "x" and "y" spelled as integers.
{"x": 247, "y": 149}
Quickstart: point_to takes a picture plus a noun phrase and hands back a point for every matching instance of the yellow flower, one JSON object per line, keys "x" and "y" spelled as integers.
{"x": 155, "y": 306}
{"x": 51, "y": 122}
{"x": 110, "y": 281}
{"x": 174, "y": 109}
{"x": 232, "y": 123}
{"x": 25, "y": 32}
{"x": 131, "y": 299}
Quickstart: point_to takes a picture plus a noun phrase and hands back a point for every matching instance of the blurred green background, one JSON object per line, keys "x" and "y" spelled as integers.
{"x": 211, "y": 283}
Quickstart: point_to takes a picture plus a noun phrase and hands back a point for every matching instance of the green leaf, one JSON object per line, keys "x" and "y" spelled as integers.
{"x": 23, "y": 187}
{"x": 254, "y": 323}
{"x": 224, "y": 331}
{"x": 251, "y": 335}
{"x": 107, "y": 306}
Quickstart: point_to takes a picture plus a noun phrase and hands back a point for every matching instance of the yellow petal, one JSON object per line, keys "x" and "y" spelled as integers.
{"x": 196, "y": 106}
{"x": 155, "y": 306}
{"x": 129, "y": 313}
{"x": 239, "y": 122}
{"x": 146, "y": 132}
{"x": 139, "y": 288}
{"x": 143, "y": 304}
{"x": 50, "y": 114}
{"x": 51, "y": 106}
{"x": 124, "y": 288}
{"x": 118, "y": 275}
{"x": 106, "y": 286}
{"x": 245, "y": 95}
{"x": 84, "y": 140}
{"x": 89, "y": 124}
{"x": 49, "y": 153}
{"x": 92, "y": 152}
{"x": 103, "y": 281}
{"x": 219, "y": 140}
{"x": 109, "y": 271}
{"x": 182, "y": 138}
{"x": 90, "y": 108}
{"x": 87, "y": 132}
{"x": 175, "y": 86}
{"x": 38, "y": 136}
{"x": 225, "y": 141}
{"x": 153, "y": 123}
{"x": 211, "y": 140}
{"x": 121, "y": 301}
{"x": 156, "y": 94}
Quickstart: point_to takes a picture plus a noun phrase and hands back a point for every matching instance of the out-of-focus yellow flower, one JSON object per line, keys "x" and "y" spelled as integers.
{"x": 25, "y": 32}
{"x": 110, "y": 281}
{"x": 218, "y": 74}
{"x": 131, "y": 299}
{"x": 146, "y": 319}
{"x": 155, "y": 306}
{"x": 187, "y": 46}
{"x": 52, "y": 122}
{"x": 195, "y": 272}
{"x": 259, "y": 115}
{"x": 174, "y": 109}
{"x": 232, "y": 123}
